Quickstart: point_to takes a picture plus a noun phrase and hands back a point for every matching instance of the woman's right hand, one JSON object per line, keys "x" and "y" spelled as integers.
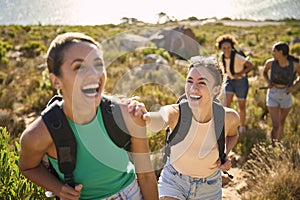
{"x": 137, "y": 108}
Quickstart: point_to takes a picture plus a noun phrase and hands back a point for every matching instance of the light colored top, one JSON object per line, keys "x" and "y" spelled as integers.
{"x": 102, "y": 168}
{"x": 239, "y": 62}
{"x": 197, "y": 154}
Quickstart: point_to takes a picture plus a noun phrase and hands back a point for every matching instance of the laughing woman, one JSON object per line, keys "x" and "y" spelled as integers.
{"x": 76, "y": 68}
{"x": 193, "y": 168}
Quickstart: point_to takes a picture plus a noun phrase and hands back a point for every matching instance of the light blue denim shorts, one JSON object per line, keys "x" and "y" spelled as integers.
{"x": 174, "y": 184}
{"x": 278, "y": 97}
{"x": 131, "y": 192}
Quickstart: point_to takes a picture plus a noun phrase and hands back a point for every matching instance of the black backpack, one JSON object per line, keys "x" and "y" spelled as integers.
{"x": 182, "y": 128}
{"x": 64, "y": 139}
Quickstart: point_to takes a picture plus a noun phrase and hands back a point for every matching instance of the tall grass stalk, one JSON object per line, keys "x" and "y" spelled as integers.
{"x": 273, "y": 172}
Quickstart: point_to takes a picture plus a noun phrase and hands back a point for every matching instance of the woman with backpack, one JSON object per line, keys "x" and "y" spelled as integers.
{"x": 103, "y": 170}
{"x": 279, "y": 73}
{"x": 236, "y": 67}
{"x": 193, "y": 167}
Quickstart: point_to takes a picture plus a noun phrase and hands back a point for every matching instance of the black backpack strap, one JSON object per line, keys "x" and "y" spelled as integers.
{"x": 219, "y": 115}
{"x": 64, "y": 139}
{"x": 115, "y": 124}
{"x": 181, "y": 129}
{"x": 231, "y": 66}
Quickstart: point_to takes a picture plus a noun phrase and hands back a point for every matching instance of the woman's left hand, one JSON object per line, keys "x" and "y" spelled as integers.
{"x": 226, "y": 166}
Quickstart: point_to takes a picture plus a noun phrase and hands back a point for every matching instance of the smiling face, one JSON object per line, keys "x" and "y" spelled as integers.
{"x": 83, "y": 75}
{"x": 226, "y": 47}
{"x": 199, "y": 86}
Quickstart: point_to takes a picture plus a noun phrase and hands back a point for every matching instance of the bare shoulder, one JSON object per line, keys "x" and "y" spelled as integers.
{"x": 296, "y": 67}
{"x": 269, "y": 61}
{"x": 232, "y": 118}
{"x": 36, "y": 136}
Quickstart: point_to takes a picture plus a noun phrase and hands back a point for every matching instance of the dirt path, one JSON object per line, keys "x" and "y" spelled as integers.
{"x": 231, "y": 187}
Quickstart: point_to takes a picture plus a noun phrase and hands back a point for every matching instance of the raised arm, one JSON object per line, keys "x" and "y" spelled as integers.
{"x": 167, "y": 116}
{"x": 140, "y": 153}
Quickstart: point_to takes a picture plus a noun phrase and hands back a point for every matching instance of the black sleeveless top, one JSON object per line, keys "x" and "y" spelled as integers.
{"x": 282, "y": 75}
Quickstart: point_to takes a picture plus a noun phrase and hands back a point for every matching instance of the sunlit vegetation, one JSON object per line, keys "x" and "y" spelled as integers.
{"x": 271, "y": 172}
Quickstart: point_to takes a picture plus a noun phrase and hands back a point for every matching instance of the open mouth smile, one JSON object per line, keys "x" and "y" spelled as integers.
{"x": 91, "y": 90}
{"x": 195, "y": 97}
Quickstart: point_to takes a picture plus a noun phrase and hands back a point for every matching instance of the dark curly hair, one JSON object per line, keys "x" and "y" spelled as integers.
{"x": 226, "y": 38}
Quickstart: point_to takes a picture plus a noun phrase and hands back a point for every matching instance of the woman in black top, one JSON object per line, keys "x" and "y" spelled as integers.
{"x": 283, "y": 68}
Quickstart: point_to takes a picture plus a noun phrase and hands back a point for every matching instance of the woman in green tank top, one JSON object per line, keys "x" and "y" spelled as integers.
{"x": 76, "y": 69}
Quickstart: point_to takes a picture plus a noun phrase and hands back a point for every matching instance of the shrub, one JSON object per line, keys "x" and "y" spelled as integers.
{"x": 4, "y": 48}
{"x": 295, "y": 49}
{"x": 13, "y": 185}
{"x": 32, "y": 49}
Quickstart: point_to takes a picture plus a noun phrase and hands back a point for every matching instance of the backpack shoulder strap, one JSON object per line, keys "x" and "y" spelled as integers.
{"x": 63, "y": 137}
{"x": 231, "y": 65}
{"x": 232, "y": 57}
{"x": 114, "y": 123}
{"x": 181, "y": 129}
{"x": 219, "y": 119}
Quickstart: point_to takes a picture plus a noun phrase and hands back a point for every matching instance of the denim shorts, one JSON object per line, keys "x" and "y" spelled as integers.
{"x": 278, "y": 97}
{"x": 131, "y": 192}
{"x": 174, "y": 184}
{"x": 239, "y": 87}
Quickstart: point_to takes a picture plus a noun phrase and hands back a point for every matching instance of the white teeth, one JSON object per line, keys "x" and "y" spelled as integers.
{"x": 91, "y": 89}
{"x": 195, "y": 96}
{"x": 91, "y": 86}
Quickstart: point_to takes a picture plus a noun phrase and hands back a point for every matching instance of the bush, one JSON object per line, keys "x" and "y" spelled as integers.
{"x": 295, "y": 49}
{"x": 4, "y": 48}
{"x": 33, "y": 49}
{"x": 13, "y": 185}
{"x": 273, "y": 172}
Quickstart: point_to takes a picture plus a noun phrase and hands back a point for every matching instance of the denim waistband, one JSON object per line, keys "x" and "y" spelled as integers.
{"x": 192, "y": 179}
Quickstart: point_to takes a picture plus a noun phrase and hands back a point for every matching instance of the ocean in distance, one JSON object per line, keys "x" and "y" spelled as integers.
{"x": 96, "y": 12}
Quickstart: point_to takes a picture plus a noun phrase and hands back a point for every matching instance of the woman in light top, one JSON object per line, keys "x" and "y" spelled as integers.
{"x": 193, "y": 168}
{"x": 236, "y": 68}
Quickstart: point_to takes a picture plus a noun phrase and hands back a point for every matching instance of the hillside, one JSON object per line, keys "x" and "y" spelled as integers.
{"x": 24, "y": 90}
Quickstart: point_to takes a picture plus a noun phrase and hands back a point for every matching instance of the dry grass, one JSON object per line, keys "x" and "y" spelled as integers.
{"x": 273, "y": 172}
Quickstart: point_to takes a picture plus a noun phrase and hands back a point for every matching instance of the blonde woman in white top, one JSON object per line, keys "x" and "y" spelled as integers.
{"x": 193, "y": 169}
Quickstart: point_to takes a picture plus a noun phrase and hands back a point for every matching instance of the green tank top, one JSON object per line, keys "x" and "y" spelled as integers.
{"x": 102, "y": 168}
